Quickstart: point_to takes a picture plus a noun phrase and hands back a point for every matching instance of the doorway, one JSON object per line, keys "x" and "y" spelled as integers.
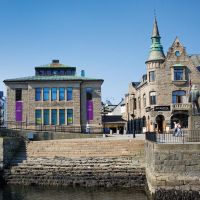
{"x": 159, "y": 120}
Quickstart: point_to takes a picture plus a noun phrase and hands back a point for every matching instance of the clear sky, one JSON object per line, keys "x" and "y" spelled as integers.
{"x": 109, "y": 39}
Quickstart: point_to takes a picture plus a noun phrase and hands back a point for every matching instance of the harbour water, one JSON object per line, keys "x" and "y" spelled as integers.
{"x": 52, "y": 193}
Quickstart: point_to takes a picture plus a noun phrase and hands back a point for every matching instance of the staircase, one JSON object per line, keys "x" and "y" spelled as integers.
{"x": 79, "y": 162}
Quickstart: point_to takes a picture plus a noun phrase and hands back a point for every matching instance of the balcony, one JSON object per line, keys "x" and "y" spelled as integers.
{"x": 181, "y": 106}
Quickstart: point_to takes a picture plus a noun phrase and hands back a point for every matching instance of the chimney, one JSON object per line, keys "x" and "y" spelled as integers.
{"x": 82, "y": 73}
{"x": 55, "y": 61}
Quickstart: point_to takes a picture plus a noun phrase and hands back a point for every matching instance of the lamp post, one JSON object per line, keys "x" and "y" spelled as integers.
{"x": 104, "y": 112}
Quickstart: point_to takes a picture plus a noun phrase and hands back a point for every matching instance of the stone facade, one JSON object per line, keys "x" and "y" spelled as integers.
{"x": 77, "y": 104}
{"x": 161, "y": 97}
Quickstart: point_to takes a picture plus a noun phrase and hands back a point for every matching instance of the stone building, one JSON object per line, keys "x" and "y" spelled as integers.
{"x": 161, "y": 97}
{"x": 55, "y": 97}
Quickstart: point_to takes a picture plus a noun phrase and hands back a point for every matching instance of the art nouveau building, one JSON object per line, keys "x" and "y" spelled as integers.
{"x": 54, "y": 97}
{"x": 161, "y": 97}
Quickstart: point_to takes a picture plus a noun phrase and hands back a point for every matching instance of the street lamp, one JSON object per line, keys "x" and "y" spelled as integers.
{"x": 104, "y": 112}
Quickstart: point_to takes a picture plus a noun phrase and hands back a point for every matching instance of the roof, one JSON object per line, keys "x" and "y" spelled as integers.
{"x": 51, "y": 78}
{"x": 135, "y": 84}
{"x": 155, "y": 32}
{"x": 196, "y": 60}
{"x": 113, "y": 119}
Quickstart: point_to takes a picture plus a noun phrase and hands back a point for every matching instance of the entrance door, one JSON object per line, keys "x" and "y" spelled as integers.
{"x": 159, "y": 120}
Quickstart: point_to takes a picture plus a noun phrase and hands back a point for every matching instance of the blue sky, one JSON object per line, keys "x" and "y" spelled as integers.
{"x": 109, "y": 39}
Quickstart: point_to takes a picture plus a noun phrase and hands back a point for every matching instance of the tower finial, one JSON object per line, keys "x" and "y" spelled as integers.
{"x": 154, "y": 11}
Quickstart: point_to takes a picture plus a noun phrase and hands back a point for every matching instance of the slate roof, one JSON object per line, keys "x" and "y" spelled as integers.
{"x": 113, "y": 119}
{"x": 196, "y": 60}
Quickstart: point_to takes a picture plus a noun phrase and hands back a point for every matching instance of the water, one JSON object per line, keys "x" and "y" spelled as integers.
{"x": 41, "y": 193}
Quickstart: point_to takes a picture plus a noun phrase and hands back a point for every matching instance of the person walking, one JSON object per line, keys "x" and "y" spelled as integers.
{"x": 179, "y": 131}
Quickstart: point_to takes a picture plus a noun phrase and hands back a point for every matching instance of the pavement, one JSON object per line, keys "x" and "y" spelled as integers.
{"x": 126, "y": 136}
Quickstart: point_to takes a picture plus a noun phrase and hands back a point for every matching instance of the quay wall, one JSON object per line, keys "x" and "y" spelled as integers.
{"x": 8, "y": 148}
{"x": 173, "y": 169}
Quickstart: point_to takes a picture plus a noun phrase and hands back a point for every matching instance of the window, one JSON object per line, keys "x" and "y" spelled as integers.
{"x": 48, "y": 72}
{"x": 134, "y": 104}
{"x": 179, "y": 96}
{"x": 38, "y": 117}
{"x": 69, "y": 116}
{"x": 151, "y": 76}
{"x": 46, "y": 94}
{"x": 152, "y": 98}
{"x": 178, "y": 74}
{"x": 38, "y": 94}
{"x": 69, "y": 94}
{"x": 144, "y": 100}
{"x": 139, "y": 103}
{"x": 54, "y": 117}
{"x": 61, "y": 94}
{"x": 53, "y": 94}
{"x": 46, "y": 116}
{"x": 61, "y": 116}
{"x": 55, "y": 72}
{"x": 89, "y": 94}
{"x": 18, "y": 94}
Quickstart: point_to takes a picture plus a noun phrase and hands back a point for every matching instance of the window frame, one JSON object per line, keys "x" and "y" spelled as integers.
{"x": 152, "y": 76}
{"x": 69, "y": 93}
{"x": 37, "y": 118}
{"x": 62, "y": 120}
{"x": 38, "y": 93}
{"x": 54, "y": 116}
{"x": 70, "y": 116}
{"x": 152, "y": 98}
{"x": 61, "y": 99}
{"x": 18, "y": 94}
{"x": 46, "y": 92}
{"x": 46, "y": 115}
{"x": 54, "y": 94}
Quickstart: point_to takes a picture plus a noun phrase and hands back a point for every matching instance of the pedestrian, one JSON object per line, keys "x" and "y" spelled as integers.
{"x": 179, "y": 131}
{"x": 175, "y": 129}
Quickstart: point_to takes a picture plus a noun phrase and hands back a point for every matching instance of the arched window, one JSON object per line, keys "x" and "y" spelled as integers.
{"x": 179, "y": 96}
{"x": 152, "y": 98}
{"x": 144, "y": 100}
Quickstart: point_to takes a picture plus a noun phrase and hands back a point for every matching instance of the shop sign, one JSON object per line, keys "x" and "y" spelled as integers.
{"x": 162, "y": 108}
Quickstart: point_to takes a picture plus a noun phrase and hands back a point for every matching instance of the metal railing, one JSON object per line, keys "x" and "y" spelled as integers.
{"x": 170, "y": 137}
{"x": 54, "y": 128}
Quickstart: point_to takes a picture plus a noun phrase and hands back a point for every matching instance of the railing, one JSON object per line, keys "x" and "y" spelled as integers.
{"x": 54, "y": 128}
{"x": 170, "y": 137}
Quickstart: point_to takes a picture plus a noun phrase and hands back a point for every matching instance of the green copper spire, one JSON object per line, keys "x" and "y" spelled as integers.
{"x": 156, "y": 52}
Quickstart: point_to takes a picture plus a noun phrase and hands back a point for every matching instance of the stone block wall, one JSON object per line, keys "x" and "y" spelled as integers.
{"x": 8, "y": 147}
{"x": 173, "y": 166}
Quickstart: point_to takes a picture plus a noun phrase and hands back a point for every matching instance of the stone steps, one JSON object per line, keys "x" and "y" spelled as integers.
{"x": 86, "y": 163}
